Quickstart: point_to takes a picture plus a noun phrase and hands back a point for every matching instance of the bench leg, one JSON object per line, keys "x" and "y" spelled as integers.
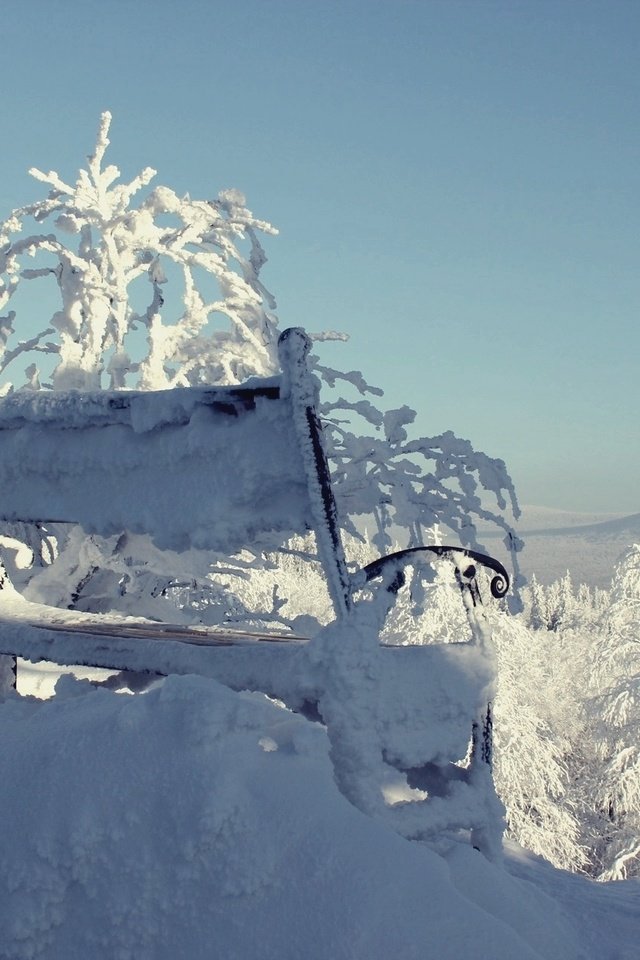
{"x": 8, "y": 675}
{"x": 8, "y": 664}
{"x": 487, "y": 838}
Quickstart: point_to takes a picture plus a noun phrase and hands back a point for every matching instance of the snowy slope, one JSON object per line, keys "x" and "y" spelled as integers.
{"x": 192, "y": 822}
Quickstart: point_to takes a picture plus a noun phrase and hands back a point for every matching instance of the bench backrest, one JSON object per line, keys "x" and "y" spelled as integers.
{"x": 210, "y": 468}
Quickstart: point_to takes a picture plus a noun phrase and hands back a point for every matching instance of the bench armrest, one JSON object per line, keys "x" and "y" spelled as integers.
{"x": 391, "y": 568}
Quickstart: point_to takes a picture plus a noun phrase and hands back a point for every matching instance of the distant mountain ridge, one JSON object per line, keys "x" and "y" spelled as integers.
{"x": 602, "y": 529}
{"x": 588, "y": 550}
{"x": 537, "y": 517}
{"x": 534, "y": 519}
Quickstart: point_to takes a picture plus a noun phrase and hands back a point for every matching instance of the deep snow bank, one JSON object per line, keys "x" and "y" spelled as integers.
{"x": 192, "y": 822}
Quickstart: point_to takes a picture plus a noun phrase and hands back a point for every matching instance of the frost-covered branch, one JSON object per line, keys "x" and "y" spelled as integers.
{"x": 407, "y": 486}
{"x": 35, "y": 344}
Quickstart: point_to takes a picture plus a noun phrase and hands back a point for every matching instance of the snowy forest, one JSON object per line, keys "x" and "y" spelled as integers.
{"x": 157, "y": 291}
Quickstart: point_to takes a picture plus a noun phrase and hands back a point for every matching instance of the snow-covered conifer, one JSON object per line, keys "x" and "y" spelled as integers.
{"x": 538, "y": 611}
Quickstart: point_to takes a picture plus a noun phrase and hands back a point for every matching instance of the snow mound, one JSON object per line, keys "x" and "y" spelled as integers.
{"x": 194, "y": 822}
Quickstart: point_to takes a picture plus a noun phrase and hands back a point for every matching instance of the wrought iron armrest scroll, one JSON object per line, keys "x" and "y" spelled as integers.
{"x": 394, "y": 562}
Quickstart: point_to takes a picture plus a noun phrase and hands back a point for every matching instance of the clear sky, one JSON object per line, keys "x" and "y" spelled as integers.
{"x": 456, "y": 186}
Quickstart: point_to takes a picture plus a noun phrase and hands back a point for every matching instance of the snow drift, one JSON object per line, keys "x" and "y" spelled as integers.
{"x": 194, "y": 822}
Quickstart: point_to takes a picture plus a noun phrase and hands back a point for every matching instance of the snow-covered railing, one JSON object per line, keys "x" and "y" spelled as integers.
{"x": 211, "y": 469}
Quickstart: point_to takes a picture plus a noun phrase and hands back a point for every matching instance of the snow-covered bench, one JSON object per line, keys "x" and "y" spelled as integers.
{"x": 211, "y": 468}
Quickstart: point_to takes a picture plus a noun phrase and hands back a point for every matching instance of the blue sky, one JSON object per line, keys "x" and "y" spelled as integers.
{"x": 456, "y": 186}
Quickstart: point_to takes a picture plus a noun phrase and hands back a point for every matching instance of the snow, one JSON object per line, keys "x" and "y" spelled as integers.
{"x": 383, "y": 705}
{"x": 148, "y": 463}
{"x": 194, "y": 822}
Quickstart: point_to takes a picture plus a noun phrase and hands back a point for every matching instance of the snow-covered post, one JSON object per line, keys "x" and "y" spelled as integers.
{"x": 302, "y": 390}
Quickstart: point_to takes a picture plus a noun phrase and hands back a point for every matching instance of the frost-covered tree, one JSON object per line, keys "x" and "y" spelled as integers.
{"x": 537, "y": 725}
{"x": 406, "y": 483}
{"x": 615, "y": 789}
{"x": 561, "y": 607}
{"x": 98, "y": 244}
{"x": 591, "y": 641}
{"x": 536, "y": 605}
{"x": 561, "y": 604}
